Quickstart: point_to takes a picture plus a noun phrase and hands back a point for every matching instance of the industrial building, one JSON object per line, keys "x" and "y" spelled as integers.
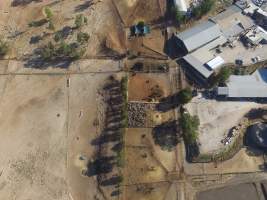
{"x": 203, "y": 43}
{"x": 246, "y": 86}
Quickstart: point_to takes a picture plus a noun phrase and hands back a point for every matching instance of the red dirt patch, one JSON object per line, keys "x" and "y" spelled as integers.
{"x": 141, "y": 86}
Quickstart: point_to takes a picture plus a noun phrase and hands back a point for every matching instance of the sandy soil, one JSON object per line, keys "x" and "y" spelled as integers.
{"x": 97, "y": 14}
{"x": 33, "y": 137}
{"x": 241, "y": 162}
{"x": 216, "y": 119}
{"x": 240, "y": 192}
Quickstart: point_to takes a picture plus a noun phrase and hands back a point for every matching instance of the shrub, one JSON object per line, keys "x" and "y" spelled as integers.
{"x": 203, "y": 8}
{"x": 38, "y": 23}
{"x": 80, "y": 20}
{"x": 3, "y": 48}
{"x": 189, "y": 125}
{"x": 185, "y": 95}
{"x": 48, "y": 12}
{"x": 82, "y": 37}
{"x": 222, "y": 76}
{"x": 51, "y": 25}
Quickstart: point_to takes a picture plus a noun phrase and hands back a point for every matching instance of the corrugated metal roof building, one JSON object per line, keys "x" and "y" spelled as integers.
{"x": 248, "y": 86}
{"x": 198, "y": 36}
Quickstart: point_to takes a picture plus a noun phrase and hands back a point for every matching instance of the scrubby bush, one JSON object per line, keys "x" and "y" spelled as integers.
{"x": 80, "y": 20}
{"x": 3, "y": 48}
{"x": 203, "y": 8}
{"x": 189, "y": 125}
{"x": 63, "y": 50}
{"x": 38, "y": 23}
{"x": 82, "y": 37}
{"x": 48, "y": 12}
{"x": 185, "y": 95}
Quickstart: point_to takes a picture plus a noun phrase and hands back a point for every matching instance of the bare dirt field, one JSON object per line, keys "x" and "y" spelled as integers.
{"x": 33, "y": 137}
{"x": 133, "y": 11}
{"x": 246, "y": 191}
{"x": 47, "y": 125}
{"x": 216, "y": 119}
{"x": 141, "y": 86}
{"x": 17, "y": 32}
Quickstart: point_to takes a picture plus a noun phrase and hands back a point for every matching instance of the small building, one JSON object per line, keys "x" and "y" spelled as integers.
{"x": 256, "y": 36}
{"x": 198, "y": 36}
{"x": 247, "y": 86}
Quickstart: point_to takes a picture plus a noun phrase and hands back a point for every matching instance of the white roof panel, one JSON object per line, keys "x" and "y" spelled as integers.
{"x": 215, "y": 63}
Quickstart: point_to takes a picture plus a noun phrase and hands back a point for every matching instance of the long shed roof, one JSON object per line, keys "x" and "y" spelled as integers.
{"x": 199, "y": 35}
{"x": 248, "y": 86}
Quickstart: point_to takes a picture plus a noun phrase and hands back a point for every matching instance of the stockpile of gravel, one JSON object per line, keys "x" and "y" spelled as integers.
{"x": 136, "y": 114}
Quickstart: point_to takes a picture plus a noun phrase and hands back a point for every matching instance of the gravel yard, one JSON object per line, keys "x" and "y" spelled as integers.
{"x": 216, "y": 119}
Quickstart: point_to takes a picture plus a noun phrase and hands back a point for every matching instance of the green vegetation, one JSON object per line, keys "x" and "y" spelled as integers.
{"x": 58, "y": 36}
{"x": 222, "y": 76}
{"x": 3, "y": 48}
{"x": 141, "y": 24}
{"x": 63, "y": 50}
{"x": 124, "y": 91}
{"x": 51, "y": 25}
{"x": 203, "y": 8}
{"x": 185, "y": 95}
{"x": 48, "y": 12}
{"x": 189, "y": 125}
{"x": 180, "y": 17}
{"x": 38, "y": 23}
{"x": 82, "y": 37}
{"x": 80, "y": 20}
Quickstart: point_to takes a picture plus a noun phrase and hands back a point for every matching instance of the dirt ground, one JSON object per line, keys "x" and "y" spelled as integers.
{"x": 33, "y": 145}
{"x": 140, "y": 85}
{"x": 146, "y": 166}
{"x": 216, "y": 119}
{"x": 241, "y": 162}
{"x": 17, "y": 32}
{"x": 133, "y": 11}
{"x": 245, "y": 191}
{"x": 45, "y": 128}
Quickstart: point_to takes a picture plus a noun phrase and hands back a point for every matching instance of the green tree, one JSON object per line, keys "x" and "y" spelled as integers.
{"x": 48, "y": 12}
{"x": 3, "y": 48}
{"x": 80, "y": 20}
{"x": 222, "y": 76}
{"x": 189, "y": 125}
{"x": 48, "y": 52}
{"x": 185, "y": 95}
{"x": 82, "y": 37}
{"x": 206, "y": 6}
{"x": 51, "y": 25}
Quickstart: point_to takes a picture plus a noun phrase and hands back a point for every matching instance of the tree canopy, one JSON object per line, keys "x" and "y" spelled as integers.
{"x": 185, "y": 95}
{"x": 189, "y": 125}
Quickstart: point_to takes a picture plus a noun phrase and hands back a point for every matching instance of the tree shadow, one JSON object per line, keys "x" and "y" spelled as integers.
{"x": 34, "y": 61}
{"x": 166, "y": 135}
{"x": 111, "y": 181}
{"x": 63, "y": 33}
{"x": 115, "y": 193}
{"x": 106, "y": 138}
{"x": 23, "y": 2}
{"x": 84, "y": 6}
{"x": 168, "y": 103}
{"x": 101, "y": 165}
{"x": 35, "y": 39}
